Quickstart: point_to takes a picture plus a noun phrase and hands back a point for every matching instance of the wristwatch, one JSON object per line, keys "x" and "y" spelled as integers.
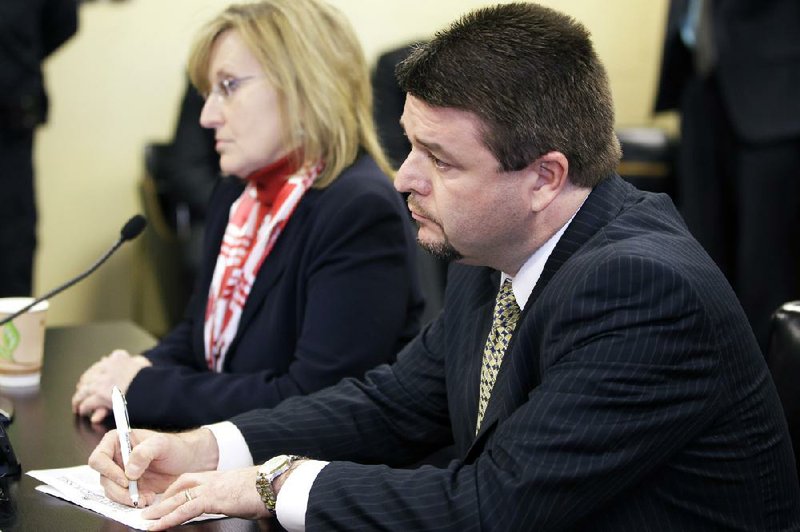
{"x": 269, "y": 471}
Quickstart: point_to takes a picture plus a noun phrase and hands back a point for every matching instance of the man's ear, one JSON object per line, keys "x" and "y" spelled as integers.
{"x": 549, "y": 174}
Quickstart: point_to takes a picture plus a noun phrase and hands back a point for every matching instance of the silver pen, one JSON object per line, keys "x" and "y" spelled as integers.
{"x": 120, "y": 409}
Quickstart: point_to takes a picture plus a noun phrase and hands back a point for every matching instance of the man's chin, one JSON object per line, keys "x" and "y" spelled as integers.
{"x": 441, "y": 250}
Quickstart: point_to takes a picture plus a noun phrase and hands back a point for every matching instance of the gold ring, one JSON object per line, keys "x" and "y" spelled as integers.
{"x": 188, "y": 495}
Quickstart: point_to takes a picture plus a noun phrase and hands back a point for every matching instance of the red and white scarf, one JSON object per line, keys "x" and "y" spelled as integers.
{"x": 255, "y": 221}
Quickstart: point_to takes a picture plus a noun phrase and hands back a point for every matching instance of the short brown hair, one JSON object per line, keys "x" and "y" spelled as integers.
{"x": 533, "y": 78}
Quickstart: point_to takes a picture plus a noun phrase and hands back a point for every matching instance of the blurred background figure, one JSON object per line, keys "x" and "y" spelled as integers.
{"x": 388, "y": 104}
{"x": 30, "y": 30}
{"x": 192, "y": 165}
{"x": 308, "y": 271}
{"x": 732, "y": 69}
{"x": 180, "y": 177}
{"x": 387, "y": 108}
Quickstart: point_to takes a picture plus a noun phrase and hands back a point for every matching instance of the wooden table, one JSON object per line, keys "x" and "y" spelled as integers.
{"x": 46, "y": 434}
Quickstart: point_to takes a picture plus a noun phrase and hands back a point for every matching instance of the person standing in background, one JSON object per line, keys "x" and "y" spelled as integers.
{"x": 30, "y": 30}
{"x": 732, "y": 68}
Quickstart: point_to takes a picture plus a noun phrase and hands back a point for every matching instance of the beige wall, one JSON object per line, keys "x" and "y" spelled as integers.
{"x": 118, "y": 83}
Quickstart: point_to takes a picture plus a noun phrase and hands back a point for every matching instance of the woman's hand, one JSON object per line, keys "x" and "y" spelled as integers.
{"x": 93, "y": 392}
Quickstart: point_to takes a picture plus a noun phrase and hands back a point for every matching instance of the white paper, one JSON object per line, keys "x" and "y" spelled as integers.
{"x": 81, "y": 485}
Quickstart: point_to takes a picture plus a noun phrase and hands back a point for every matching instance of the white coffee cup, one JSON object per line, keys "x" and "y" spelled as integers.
{"x": 22, "y": 342}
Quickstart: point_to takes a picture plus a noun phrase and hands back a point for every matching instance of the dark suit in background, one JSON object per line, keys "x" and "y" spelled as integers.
{"x": 30, "y": 30}
{"x": 739, "y": 155}
{"x": 633, "y": 397}
{"x": 338, "y": 295}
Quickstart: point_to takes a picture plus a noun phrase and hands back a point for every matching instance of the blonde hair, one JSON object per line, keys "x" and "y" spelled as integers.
{"x": 311, "y": 55}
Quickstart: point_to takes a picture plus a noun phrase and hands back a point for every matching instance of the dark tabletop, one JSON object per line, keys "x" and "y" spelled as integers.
{"x": 46, "y": 434}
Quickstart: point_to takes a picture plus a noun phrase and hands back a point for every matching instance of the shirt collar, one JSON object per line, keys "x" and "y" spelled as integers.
{"x": 528, "y": 275}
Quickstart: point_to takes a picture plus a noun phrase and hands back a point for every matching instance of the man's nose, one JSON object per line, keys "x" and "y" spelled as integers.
{"x": 411, "y": 176}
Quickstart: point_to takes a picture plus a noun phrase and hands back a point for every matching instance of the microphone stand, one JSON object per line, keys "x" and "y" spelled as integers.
{"x": 9, "y": 465}
{"x": 131, "y": 230}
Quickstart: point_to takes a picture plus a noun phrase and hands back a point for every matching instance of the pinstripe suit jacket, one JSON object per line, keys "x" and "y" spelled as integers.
{"x": 632, "y": 397}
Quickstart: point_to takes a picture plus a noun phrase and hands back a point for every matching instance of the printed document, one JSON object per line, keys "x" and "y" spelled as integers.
{"x": 81, "y": 485}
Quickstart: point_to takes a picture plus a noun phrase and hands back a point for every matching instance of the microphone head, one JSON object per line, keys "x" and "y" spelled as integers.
{"x": 133, "y": 228}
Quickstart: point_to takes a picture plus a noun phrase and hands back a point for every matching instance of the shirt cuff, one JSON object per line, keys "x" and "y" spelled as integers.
{"x": 292, "y": 502}
{"x": 233, "y": 450}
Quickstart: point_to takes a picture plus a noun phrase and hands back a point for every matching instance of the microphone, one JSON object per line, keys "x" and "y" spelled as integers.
{"x": 129, "y": 231}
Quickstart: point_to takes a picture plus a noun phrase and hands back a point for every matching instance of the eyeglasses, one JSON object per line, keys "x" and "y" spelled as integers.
{"x": 226, "y": 87}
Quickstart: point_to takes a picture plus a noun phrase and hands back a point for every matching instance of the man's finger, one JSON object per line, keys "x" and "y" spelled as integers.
{"x": 102, "y": 460}
{"x": 174, "y": 510}
{"x": 164, "y": 506}
{"x": 115, "y": 492}
{"x": 144, "y": 453}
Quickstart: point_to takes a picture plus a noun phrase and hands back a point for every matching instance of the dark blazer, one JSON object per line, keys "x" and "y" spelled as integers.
{"x": 757, "y": 68}
{"x": 338, "y": 295}
{"x": 633, "y": 397}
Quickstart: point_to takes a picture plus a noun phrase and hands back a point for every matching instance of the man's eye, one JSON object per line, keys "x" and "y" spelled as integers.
{"x": 438, "y": 163}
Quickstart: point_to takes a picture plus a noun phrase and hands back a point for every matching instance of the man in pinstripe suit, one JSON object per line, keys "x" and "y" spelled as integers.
{"x": 632, "y": 395}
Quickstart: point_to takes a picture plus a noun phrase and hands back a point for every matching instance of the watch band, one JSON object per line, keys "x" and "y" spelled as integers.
{"x": 267, "y": 473}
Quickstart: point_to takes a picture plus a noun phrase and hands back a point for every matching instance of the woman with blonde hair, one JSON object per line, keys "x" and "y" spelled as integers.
{"x": 309, "y": 258}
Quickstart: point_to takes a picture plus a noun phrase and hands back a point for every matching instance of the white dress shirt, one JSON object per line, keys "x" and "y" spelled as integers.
{"x": 292, "y": 500}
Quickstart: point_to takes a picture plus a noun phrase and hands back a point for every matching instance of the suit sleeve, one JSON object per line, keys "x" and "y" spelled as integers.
{"x": 175, "y": 349}
{"x": 629, "y": 375}
{"x": 356, "y": 292}
{"x": 397, "y": 414}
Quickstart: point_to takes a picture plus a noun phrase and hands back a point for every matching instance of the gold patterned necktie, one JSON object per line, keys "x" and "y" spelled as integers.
{"x": 504, "y": 319}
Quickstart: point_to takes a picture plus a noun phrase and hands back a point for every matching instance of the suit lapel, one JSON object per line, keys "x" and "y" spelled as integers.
{"x": 225, "y": 194}
{"x": 602, "y": 206}
{"x": 273, "y": 267}
{"x": 269, "y": 274}
{"x": 519, "y": 372}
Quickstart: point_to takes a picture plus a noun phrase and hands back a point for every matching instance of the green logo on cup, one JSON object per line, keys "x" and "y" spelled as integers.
{"x": 9, "y": 340}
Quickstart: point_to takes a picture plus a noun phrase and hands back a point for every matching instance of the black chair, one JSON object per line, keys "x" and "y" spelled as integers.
{"x": 388, "y": 104}
{"x": 164, "y": 243}
{"x": 783, "y": 359}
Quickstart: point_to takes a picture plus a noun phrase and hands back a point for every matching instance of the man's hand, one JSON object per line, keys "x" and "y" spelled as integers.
{"x": 231, "y": 493}
{"x": 93, "y": 392}
{"x": 156, "y": 461}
